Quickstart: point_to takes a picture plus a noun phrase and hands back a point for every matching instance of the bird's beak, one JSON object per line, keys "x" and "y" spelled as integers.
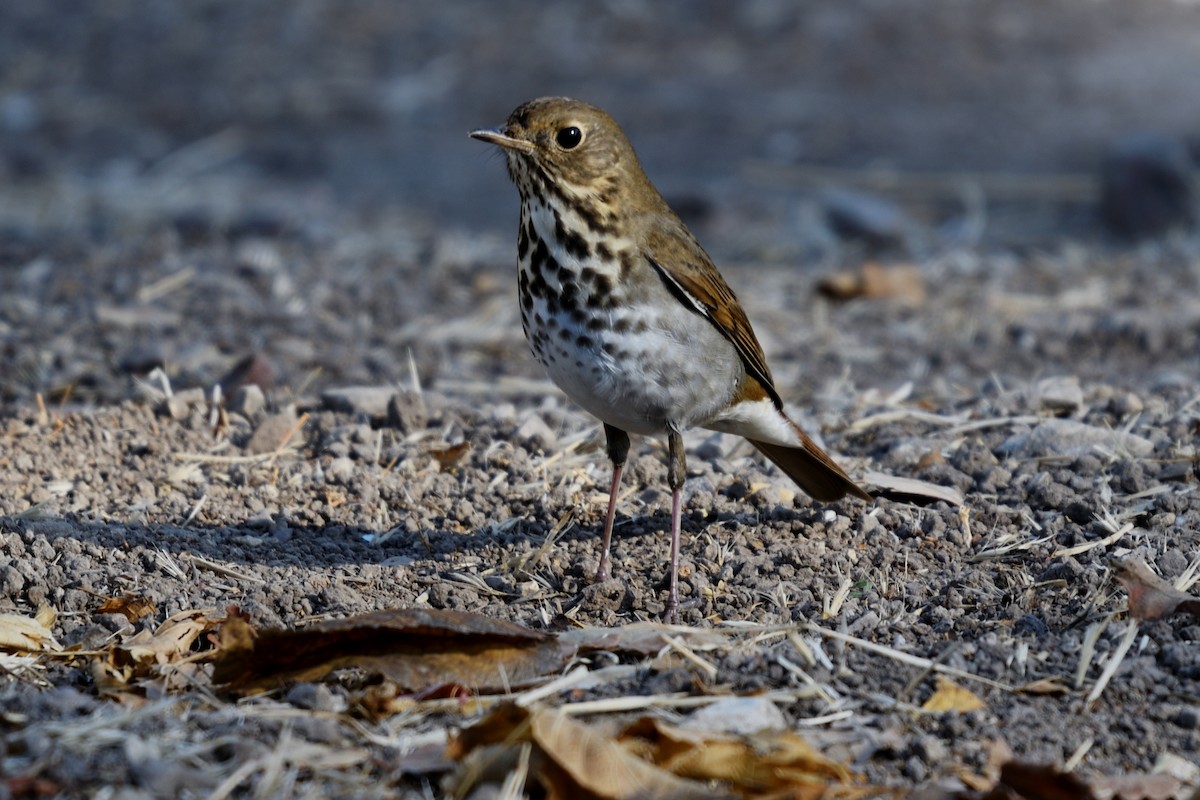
{"x": 498, "y": 137}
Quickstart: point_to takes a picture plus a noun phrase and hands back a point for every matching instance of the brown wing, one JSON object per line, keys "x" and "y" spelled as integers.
{"x": 691, "y": 276}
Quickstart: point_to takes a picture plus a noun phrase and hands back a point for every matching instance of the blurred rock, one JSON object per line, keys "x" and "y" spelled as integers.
{"x": 179, "y": 404}
{"x": 738, "y": 715}
{"x": 142, "y": 357}
{"x": 869, "y": 218}
{"x": 254, "y": 369}
{"x": 1147, "y": 186}
{"x": 248, "y": 400}
{"x": 406, "y": 411}
{"x": 194, "y": 226}
{"x": 273, "y": 432}
{"x": 1065, "y": 437}
{"x": 371, "y": 401}
{"x": 535, "y": 433}
{"x": 1059, "y": 395}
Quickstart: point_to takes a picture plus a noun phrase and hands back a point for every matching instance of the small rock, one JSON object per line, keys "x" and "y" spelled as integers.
{"x": 710, "y": 449}
{"x": 1067, "y": 437}
{"x": 1146, "y": 186}
{"x": 371, "y": 401}
{"x": 738, "y": 715}
{"x": 174, "y": 407}
{"x": 142, "y": 357}
{"x": 313, "y": 696}
{"x": 1125, "y": 404}
{"x": 868, "y": 217}
{"x": 254, "y": 369}
{"x": 340, "y": 471}
{"x": 273, "y": 432}
{"x": 930, "y": 749}
{"x": 1188, "y": 718}
{"x": 535, "y": 432}
{"x": 1060, "y": 395}
{"x": 406, "y": 412}
{"x": 179, "y": 404}
{"x": 248, "y": 400}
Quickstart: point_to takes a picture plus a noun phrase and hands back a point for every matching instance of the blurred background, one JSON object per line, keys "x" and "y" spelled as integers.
{"x": 285, "y": 189}
{"x": 990, "y": 118}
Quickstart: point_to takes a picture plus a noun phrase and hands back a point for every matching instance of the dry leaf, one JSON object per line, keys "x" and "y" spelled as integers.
{"x": 573, "y": 760}
{"x": 643, "y": 638}
{"x": 172, "y": 640}
{"x": 448, "y": 457}
{"x": 1035, "y": 782}
{"x": 417, "y": 648}
{"x": 133, "y": 607}
{"x": 949, "y": 696}
{"x": 771, "y": 762}
{"x": 139, "y": 657}
{"x": 24, "y": 635}
{"x": 903, "y": 283}
{"x": 1150, "y": 597}
{"x": 1153, "y": 786}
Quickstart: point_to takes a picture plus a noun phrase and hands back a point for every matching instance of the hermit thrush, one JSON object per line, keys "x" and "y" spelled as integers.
{"x": 628, "y": 314}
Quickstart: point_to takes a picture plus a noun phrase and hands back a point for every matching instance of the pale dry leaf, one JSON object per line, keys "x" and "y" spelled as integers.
{"x": 1151, "y": 786}
{"x": 24, "y": 634}
{"x": 572, "y": 759}
{"x": 599, "y": 765}
{"x": 172, "y": 640}
{"x": 949, "y": 696}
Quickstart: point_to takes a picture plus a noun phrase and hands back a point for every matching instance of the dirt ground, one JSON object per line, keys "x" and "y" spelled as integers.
{"x": 182, "y": 212}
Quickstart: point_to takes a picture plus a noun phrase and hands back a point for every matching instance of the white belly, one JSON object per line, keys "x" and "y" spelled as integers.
{"x": 675, "y": 372}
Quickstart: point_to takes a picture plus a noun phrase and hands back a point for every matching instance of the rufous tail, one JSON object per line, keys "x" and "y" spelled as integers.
{"x": 812, "y": 469}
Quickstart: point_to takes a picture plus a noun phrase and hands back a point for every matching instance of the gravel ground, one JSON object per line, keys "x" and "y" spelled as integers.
{"x": 1054, "y": 385}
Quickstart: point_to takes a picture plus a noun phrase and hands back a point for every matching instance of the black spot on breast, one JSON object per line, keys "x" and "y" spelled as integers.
{"x": 594, "y": 321}
{"x": 538, "y": 286}
{"x": 572, "y": 241}
{"x": 603, "y": 285}
{"x": 603, "y": 251}
{"x": 584, "y": 341}
{"x": 596, "y": 221}
{"x": 523, "y": 291}
{"x": 522, "y": 243}
{"x": 569, "y": 296}
{"x": 538, "y": 262}
{"x": 622, "y": 325}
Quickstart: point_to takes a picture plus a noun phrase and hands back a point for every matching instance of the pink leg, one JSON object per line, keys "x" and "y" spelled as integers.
{"x": 676, "y": 471}
{"x": 618, "y": 451}
{"x": 602, "y": 570}
{"x": 672, "y": 612}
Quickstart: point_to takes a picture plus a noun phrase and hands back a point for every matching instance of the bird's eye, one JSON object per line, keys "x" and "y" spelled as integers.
{"x": 569, "y": 138}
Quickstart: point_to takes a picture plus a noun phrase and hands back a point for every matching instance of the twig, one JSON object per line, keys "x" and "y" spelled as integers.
{"x": 1114, "y": 661}
{"x": 905, "y": 658}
